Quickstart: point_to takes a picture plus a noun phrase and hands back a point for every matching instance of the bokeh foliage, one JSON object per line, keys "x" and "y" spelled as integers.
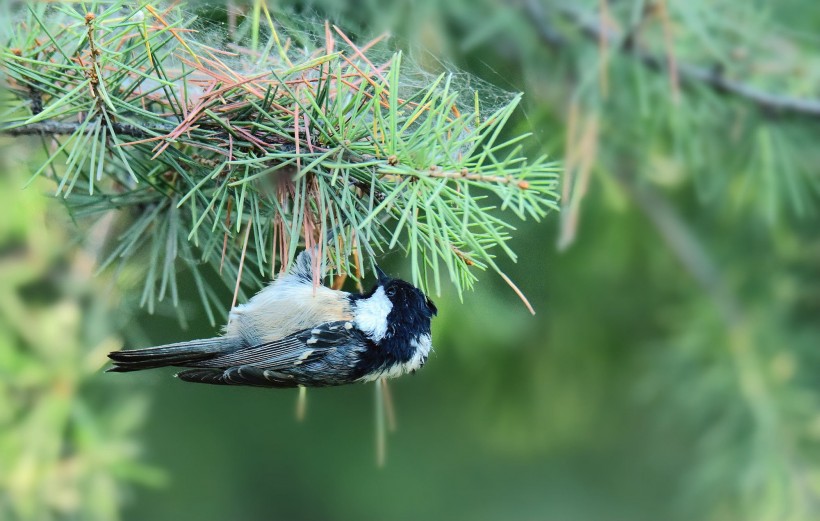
{"x": 670, "y": 372}
{"x": 67, "y": 443}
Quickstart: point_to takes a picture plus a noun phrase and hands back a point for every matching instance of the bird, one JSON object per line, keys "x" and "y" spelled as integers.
{"x": 297, "y": 332}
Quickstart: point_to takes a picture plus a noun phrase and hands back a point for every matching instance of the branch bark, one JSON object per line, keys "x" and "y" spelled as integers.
{"x": 62, "y": 128}
{"x": 65, "y": 128}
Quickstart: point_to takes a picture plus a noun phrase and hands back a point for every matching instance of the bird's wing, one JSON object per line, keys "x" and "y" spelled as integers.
{"x": 287, "y": 362}
{"x": 292, "y": 350}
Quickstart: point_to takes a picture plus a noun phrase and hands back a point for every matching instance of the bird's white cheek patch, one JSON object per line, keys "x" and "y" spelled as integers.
{"x": 371, "y": 315}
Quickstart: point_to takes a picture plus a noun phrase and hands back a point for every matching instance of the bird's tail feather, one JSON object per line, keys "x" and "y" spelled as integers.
{"x": 179, "y": 354}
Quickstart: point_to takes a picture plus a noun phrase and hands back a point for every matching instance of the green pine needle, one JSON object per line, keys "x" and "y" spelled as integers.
{"x": 310, "y": 146}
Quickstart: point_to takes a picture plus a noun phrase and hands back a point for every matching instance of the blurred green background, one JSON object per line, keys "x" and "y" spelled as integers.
{"x": 671, "y": 370}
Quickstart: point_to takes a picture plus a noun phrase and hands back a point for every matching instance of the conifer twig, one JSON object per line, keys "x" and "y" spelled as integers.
{"x": 300, "y": 146}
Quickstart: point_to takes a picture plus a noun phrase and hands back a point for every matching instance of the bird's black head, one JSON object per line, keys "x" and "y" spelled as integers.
{"x": 406, "y": 324}
{"x": 396, "y": 317}
{"x": 408, "y": 301}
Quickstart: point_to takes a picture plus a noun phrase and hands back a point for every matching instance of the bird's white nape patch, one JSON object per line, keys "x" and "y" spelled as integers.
{"x": 371, "y": 314}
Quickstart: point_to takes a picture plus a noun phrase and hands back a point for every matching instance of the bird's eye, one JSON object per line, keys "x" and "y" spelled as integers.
{"x": 391, "y": 291}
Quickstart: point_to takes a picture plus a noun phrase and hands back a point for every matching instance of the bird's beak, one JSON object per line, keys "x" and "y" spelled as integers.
{"x": 383, "y": 278}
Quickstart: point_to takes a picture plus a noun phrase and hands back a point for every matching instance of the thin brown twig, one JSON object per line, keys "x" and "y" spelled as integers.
{"x": 360, "y": 53}
{"x": 93, "y": 70}
{"x": 463, "y": 256}
{"x": 570, "y": 148}
{"x": 465, "y": 174}
{"x": 357, "y": 262}
{"x": 669, "y": 44}
{"x": 517, "y": 291}
{"x": 389, "y": 407}
{"x": 241, "y": 262}
{"x": 301, "y": 404}
{"x": 585, "y": 152}
{"x": 381, "y": 434}
{"x": 603, "y": 51}
{"x": 225, "y": 239}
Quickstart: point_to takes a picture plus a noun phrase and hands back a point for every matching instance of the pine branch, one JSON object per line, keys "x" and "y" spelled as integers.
{"x": 64, "y": 128}
{"x": 236, "y": 157}
{"x": 689, "y": 74}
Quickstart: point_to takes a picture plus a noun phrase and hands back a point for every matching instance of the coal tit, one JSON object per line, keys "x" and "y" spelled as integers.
{"x": 297, "y": 333}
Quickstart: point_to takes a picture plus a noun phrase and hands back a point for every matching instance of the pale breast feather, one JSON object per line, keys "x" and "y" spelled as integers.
{"x": 290, "y": 304}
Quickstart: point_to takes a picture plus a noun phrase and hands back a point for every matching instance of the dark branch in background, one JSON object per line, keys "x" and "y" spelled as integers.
{"x": 691, "y": 74}
{"x": 663, "y": 216}
{"x": 546, "y": 31}
{"x": 670, "y": 224}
